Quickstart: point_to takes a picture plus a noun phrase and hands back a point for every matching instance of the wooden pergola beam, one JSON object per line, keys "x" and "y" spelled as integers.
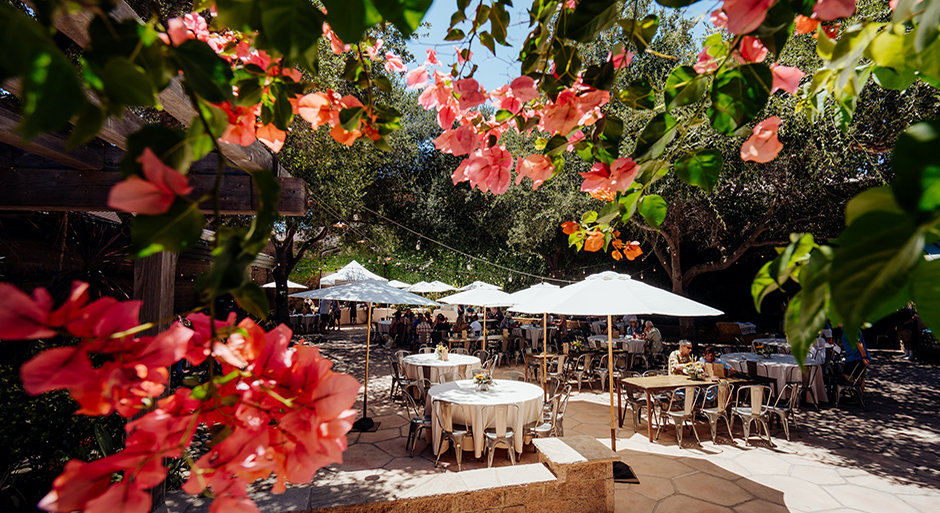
{"x": 85, "y": 191}
{"x": 50, "y": 146}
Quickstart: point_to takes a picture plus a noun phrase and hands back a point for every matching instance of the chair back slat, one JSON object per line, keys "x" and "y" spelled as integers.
{"x": 724, "y": 395}
{"x": 757, "y": 400}
{"x": 689, "y": 401}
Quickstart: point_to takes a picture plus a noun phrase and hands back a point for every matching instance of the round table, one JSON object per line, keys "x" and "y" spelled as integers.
{"x": 782, "y": 367}
{"x": 533, "y": 334}
{"x": 464, "y": 393}
{"x": 631, "y": 344}
{"x": 429, "y": 366}
{"x": 781, "y": 345}
{"x": 383, "y": 326}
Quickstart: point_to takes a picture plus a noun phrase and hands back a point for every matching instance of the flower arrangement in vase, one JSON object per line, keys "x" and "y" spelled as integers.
{"x": 483, "y": 381}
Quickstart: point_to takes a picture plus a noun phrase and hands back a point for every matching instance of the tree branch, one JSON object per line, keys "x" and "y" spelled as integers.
{"x": 724, "y": 262}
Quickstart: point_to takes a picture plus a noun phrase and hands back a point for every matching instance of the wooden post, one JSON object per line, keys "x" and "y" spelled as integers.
{"x": 155, "y": 285}
{"x": 544, "y": 354}
{"x": 610, "y": 375}
{"x": 365, "y": 390}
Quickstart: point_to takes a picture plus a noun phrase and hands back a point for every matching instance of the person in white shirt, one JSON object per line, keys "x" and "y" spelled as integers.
{"x": 476, "y": 327}
{"x": 324, "y": 311}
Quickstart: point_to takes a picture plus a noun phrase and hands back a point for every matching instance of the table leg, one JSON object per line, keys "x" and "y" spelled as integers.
{"x": 649, "y": 415}
{"x": 619, "y": 405}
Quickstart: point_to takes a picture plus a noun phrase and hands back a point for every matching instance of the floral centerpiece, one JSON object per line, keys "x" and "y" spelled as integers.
{"x": 440, "y": 351}
{"x": 483, "y": 381}
{"x": 694, "y": 370}
{"x": 577, "y": 346}
{"x": 762, "y": 350}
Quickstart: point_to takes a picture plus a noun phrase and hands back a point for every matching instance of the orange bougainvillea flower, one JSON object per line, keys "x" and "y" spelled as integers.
{"x": 570, "y": 227}
{"x": 617, "y": 255}
{"x": 617, "y": 243}
{"x": 603, "y": 195}
{"x": 595, "y": 241}
{"x": 632, "y": 250}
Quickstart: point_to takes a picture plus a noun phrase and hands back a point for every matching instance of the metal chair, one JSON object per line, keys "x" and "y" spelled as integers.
{"x": 805, "y": 381}
{"x": 582, "y": 369}
{"x": 474, "y": 371}
{"x": 500, "y": 434}
{"x": 560, "y": 371}
{"x": 400, "y": 356}
{"x": 788, "y": 410}
{"x": 600, "y": 370}
{"x": 757, "y": 411}
{"x": 482, "y": 354}
{"x": 721, "y": 395}
{"x": 398, "y": 378}
{"x": 419, "y": 421}
{"x": 492, "y": 363}
{"x": 636, "y": 400}
{"x": 854, "y": 387}
{"x": 513, "y": 375}
{"x": 454, "y": 433}
{"x": 459, "y": 350}
{"x": 426, "y": 350}
{"x": 544, "y": 428}
{"x": 685, "y": 397}
{"x": 449, "y": 376}
{"x": 563, "y": 395}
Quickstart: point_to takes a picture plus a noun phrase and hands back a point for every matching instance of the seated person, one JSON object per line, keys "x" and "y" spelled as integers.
{"x": 476, "y": 327}
{"x": 654, "y": 339}
{"x": 680, "y": 357}
{"x": 632, "y": 328}
{"x": 855, "y": 356}
{"x": 441, "y": 328}
{"x": 710, "y": 356}
{"x": 423, "y": 330}
{"x": 508, "y": 324}
{"x": 461, "y": 324}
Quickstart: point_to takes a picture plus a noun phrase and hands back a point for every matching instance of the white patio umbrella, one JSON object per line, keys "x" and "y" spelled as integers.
{"x": 609, "y": 293}
{"x": 482, "y": 297}
{"x": 351, "y": 272}
{"x": 479, "y": 285}
{"x": 290, "y": 285}
{"x": 399, "y": 284}
{"x": 369, "y": 291}
{"x": 535, "y": 291}
{"x": 423, "y": 287}
{"x": 542, "y": 292}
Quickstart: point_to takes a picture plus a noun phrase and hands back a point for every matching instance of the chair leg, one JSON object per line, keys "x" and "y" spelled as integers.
{"x": 786, "y": 425}
{"x": 512, "y": 454}
{"x": 490, "y": 449}
{"x": 727, "y": 423}
{"x": 747, "y": 431}
{"x": 411, "y": 433}
{"x": 713, "y": 424}
{"x": 694, "y": 432}
{"x": 440, "y": 450}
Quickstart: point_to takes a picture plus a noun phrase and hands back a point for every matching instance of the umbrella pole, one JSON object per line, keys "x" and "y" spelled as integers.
{"x": 365, "y": 392}
{"x": 544, "y": 354}
{"x": 610, "y": 374}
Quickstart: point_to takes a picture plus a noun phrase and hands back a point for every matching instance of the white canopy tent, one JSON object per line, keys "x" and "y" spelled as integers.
{"x": 609, "y": 293}
{"x": 369, "y": 291}
{"x": 290, "y": 285}
{"x": 482, "y": 297}
{"x": 399, "y": 284}
{"x": 350, "y": 273}
{"x": 539, "y": 290}
{"x": 423, "y": 287}
{"x": 479, "y": 285}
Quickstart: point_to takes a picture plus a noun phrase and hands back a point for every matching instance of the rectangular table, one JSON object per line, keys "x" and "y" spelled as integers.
{"x": 652, "y": 384}
{"x": 470, "y": 340}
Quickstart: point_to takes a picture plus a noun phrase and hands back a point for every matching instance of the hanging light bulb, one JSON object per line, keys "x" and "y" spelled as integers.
{"x": 418, "y": 245}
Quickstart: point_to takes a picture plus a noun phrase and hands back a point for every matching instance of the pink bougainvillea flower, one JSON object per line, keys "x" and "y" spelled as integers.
{"x": 460, "y": 55}
{"x": 621, "y": 59}
{"x": 562, "y": 115}
{"x": 751, "y": 50}
{"x": 805, "y": 24}
{"x": 181, "y": 29}
{"x": 23, "y": 317}
{"x": 153, "y": 195}
{"x": 336, "y": 44}
{"x": 394, "y": 63}
{"x": 460, "y": 141}
{"x": 417, "y": 77}
{"x": 470, "y": 93}
{"x": 373, "y": 51}
{"x": 746, "y": 15}
{"x": 763, "y": 146}
{"x": 241, "y": 123}
{"x": 271, "y": 136}
{"x": 828, "y": 10}
{"x": 447, "y": 114}
{"x": 574, "y": 139}
{"x": 523, "y": 89}
{"x": 537, "y": 167}
{"x": 488, "y": 169}
{"x": 432, "y": 58}
{"x": 316, "y": 109}
{"x": 571, "y": 4}
{"x": 719, "y": 18}
{"x": 616, "y": 177}
{"x": 706, "y": 63}
{"x": 786, "y": 78}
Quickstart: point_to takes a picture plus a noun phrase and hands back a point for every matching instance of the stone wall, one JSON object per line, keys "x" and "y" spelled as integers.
{"x": 575, "y": 475}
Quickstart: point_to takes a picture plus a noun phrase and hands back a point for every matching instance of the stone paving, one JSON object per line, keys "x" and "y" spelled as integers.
{"x": 884, "y": 459}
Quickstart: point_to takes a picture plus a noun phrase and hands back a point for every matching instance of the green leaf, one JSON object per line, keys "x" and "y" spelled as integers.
{"x": 916, "y": 161}
{"x": 640, "y": 33}
{"x": 589, "y": 217}
{"x": 652, "y": 170}
{"x": 357, "y": 16}
{"x": 683, "y": 87}
{"x": 929, "y": 27}
{"x": 891, "y": 79}
{"x": 659, "y": 132}
{"x": 738, "y": 96}
{"x": 382, "y": 82}
{"x": 676, "y": 3}
{"x": 169, "y": 144}
{"x": 406, "y": 15}
{"x": 609, "y": 212}
{"x": 788, "y": 262}
{"x": 762, "y": 285}
{"x": 599, "y": 77}
{"x": 87, "y": 126}
{"x": 629, "y": 203}
{"x": 283, "y": 110}
{"x": 207, "y": 73}
{"x": 567, "y": 63}
{"x": 126, "y": 84}
{"x": 589, "y": 19}
{"x": 454, "y": 35}
{"x": 349, "y": 118}
{"x": 252, "y": 299}
{"x": 487, "y": 41}
{"x": 878, "y": 199}
{"x": 503, "y": 115}
{"x": 872, "y": 265}
{"x": 639, "y": 95}
{"x": 249, "y": 92}
{"x": 293, "y": 27}
{"x": 177, "y": 230}
{"x": 499, "y": 23}
{"x": 925, "y": 290}
{"x": 653, "y": 209}
{"x": 557, "y": 144}
{"x": 700, "y": 168}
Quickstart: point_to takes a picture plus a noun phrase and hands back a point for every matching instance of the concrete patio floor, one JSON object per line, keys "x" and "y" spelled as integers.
{"x": 884, "y": 459}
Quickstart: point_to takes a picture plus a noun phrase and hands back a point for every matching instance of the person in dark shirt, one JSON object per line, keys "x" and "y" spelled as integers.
{"x": 907, "y": 324}
{"x": 441, "y": 328}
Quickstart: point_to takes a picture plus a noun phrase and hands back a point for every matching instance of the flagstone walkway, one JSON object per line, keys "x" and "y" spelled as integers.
{"x": 884, "y": 459}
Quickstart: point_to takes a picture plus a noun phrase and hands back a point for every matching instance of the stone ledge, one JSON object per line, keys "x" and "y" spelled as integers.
{"x": 575, "y": 450}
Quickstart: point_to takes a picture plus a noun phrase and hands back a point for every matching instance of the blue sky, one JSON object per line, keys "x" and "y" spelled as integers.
{"x": 493, "y": 71}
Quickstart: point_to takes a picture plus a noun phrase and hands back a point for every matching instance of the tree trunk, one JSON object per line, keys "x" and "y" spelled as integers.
{"x": 282, "y": 269}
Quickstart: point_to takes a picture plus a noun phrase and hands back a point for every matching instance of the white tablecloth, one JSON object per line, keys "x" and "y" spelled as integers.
{"x": 533, "y": 334}
{"x": 747, "y": 328}
{"x": 781, "y": 345}
{"x": 629, "y": 343}
{"x": 428, "y": 366}
{"x": 782, "y": 367}
{"x": 384, "y": 326}
{"x": 305, "y": 321}
{"x": 526, "y": 395}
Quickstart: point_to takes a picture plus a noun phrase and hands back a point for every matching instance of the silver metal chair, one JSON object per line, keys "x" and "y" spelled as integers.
{"x": 681, "y": 409}
{"x": 544, "y": 428}
{"x": 426, "y": 350}
{"x": 482, "y": 354}
{"x": 459, "y": 350}
{"x": 449, "y": 376}
{"x": 500, "y": 433}
{"x": 456, "y": 434}
{"x": 474, "y": 371}
{"x": 513, "y": 375}
{"x": 419, "y": 421}
{"x": 758, "y": 410}
{"x": 635, "y": 399}
{"x": 600, "y": 370}
{"x": 582, "y": 369}
{"x": 854, "y": 387}
{"x": 564, "y": 395}
{"x": 399, "y": 380}
{"x": 721, "y": 395}
{"x": 787, "y": 411}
